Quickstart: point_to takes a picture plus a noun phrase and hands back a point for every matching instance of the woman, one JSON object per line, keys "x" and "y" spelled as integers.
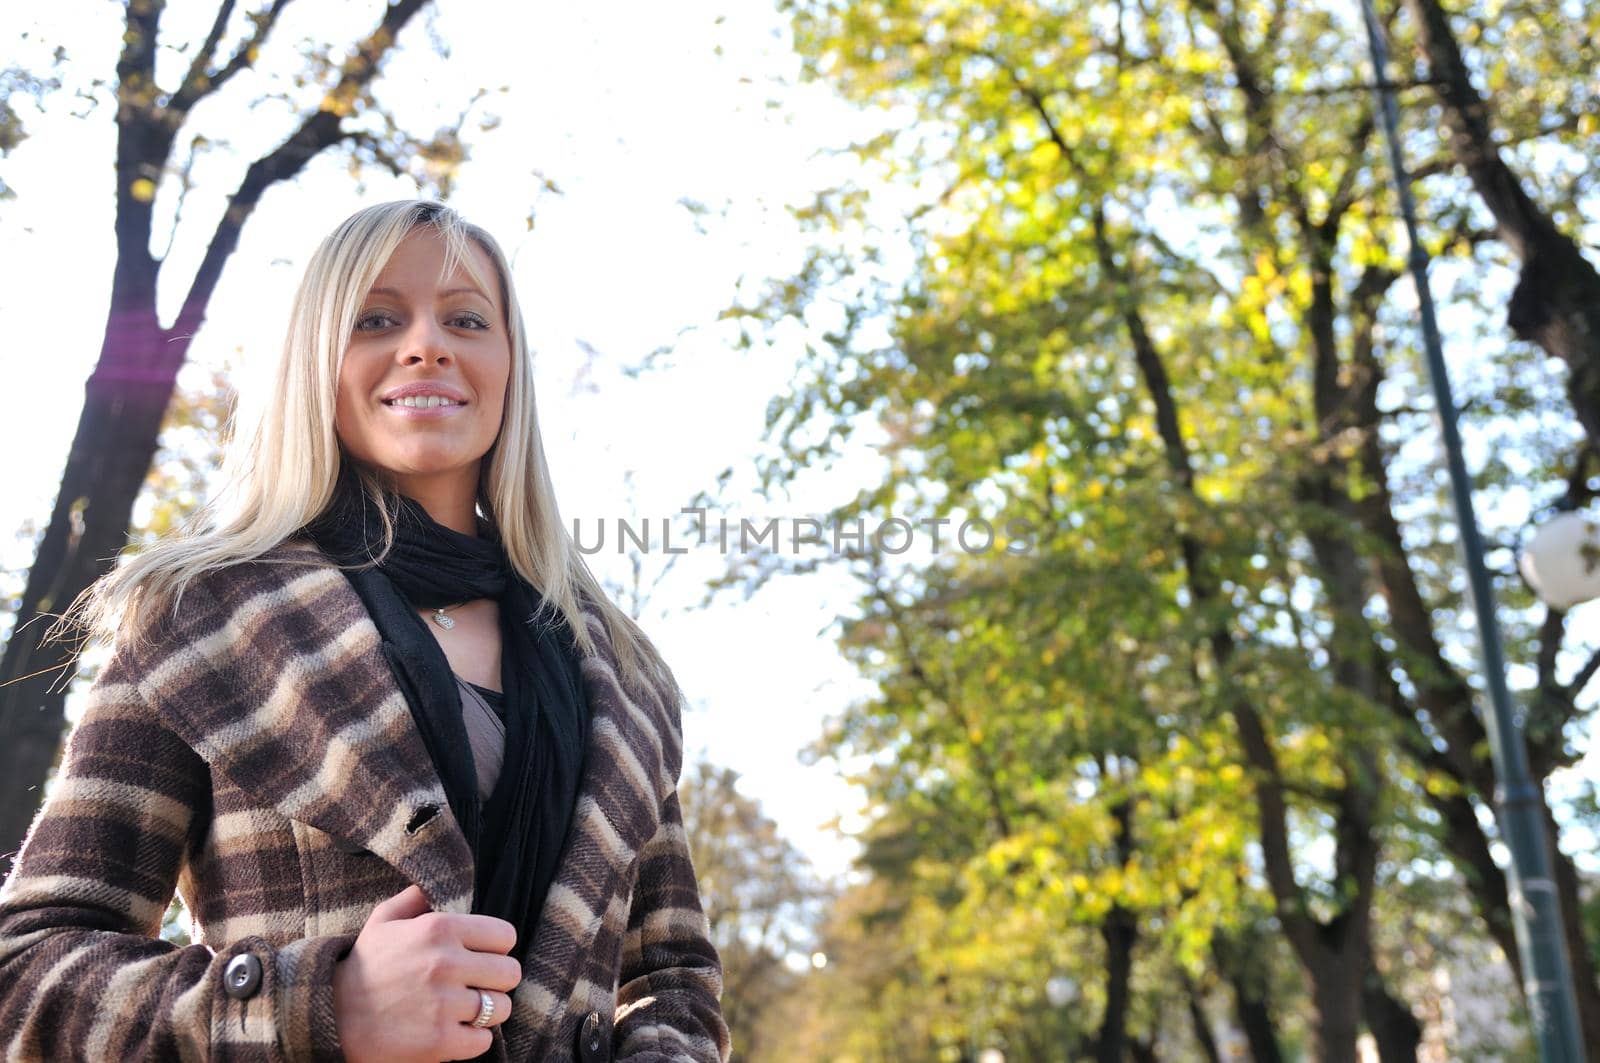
{"x": 412, "y": 773}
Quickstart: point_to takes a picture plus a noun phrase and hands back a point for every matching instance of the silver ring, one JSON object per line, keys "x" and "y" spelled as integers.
{"x": 485, "y": 1010}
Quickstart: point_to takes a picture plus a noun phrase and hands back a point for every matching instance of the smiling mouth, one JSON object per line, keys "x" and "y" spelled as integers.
{"x": 422, "y": 402}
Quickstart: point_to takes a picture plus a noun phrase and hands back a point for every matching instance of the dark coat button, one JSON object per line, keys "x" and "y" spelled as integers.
{"x": 592, "y": 1038}
{"x": 242, "y": 977}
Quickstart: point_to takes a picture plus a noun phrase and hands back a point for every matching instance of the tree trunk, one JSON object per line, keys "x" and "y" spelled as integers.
{"x": 1578, "y": 955}
{"x": 1556, "y": 303}
{"x": 1244, "y": 963}
{"x": 1143, "y": 1051}
{"x": 1255, "y": 1019}
{"x": 1202, "y": 1025}
{"x": 1393, "y": 1027}
{"x": 125, "y": 401}
{"x": 1120, "y": 931}
{"x": 1336, "y": 989}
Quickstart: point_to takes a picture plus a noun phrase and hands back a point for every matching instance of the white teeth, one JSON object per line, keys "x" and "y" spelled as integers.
{"x": 423, "y": 402}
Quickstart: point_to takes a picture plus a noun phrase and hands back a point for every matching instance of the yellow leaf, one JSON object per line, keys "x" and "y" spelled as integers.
{"x": 143, "y": 189}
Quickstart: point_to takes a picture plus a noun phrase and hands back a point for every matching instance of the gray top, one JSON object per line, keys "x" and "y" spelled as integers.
{"x": 486, "y": 734}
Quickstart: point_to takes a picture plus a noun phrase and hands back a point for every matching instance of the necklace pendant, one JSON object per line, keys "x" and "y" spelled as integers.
{"x": 442, "y": 620}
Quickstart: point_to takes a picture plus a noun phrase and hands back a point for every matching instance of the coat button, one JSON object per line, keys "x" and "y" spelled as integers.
{"x": 592, "y": 1040}
{"x": 242, "y": 977}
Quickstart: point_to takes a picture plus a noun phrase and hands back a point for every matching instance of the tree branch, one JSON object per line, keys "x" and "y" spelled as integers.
{"x": 1551, "y": 631}
{"x": 185, "y": 183}
{"x": 1362, "y": 86}
{"x": 1522, "y": 224}
{"x": 208, "y": 49}
{"x": 1344, "y": 194}
{"x": 317, "y": 132}
{"x": 143, "y": 145}
{"x": 1586, "y": 673}
{"x": 137, "y": 63}
{"x": 198, "y": 84}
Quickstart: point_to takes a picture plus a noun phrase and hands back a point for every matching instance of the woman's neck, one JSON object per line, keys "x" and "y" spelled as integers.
{"x": 452, "y": 501}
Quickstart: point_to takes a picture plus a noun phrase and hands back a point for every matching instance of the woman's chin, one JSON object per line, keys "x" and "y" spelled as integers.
{"x": 427, "y": 467}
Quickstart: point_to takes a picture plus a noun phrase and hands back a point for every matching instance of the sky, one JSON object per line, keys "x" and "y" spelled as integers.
{"x": 629, "y": 110}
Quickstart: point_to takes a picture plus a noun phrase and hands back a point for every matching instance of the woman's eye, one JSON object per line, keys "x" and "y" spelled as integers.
{"x": 380, "y": 319}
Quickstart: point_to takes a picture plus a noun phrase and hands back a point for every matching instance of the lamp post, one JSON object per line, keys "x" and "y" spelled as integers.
{"x": 1535, "y": 906}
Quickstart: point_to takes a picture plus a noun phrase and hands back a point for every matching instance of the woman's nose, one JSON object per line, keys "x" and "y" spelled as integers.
{"x": 424, "y": 342}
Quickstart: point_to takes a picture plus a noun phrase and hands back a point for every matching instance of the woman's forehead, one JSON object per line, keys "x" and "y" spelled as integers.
{"x": 424, "y": 249}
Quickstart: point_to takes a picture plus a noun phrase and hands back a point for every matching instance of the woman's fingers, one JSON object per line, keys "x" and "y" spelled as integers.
{"x": 464, "y": 1042}
{"x": 485, "y": 933}
{"x": 489, "y": 971}
{"x": 450, "y": 963}
{"x": 407, "y": 904}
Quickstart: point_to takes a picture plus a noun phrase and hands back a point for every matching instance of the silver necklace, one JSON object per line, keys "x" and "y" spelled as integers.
{"x": 444, "y": 621}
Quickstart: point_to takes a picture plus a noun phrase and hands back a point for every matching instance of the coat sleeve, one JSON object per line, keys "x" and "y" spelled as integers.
{"x": 83, "y": 972}
{"x": 671, "y": 982}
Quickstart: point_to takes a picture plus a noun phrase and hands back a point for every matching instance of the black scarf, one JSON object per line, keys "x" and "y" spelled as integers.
{"x": 517, "y": 835}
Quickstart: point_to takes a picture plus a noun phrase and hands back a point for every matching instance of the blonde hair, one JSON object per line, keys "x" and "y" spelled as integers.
{"x": 281, "y": 466}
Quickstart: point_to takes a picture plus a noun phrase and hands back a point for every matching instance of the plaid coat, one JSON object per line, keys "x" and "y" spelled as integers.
{"x": 258, "y": 756}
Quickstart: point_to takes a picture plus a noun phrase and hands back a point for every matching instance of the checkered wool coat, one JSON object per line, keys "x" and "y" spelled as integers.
{"x": 258, "y": 756}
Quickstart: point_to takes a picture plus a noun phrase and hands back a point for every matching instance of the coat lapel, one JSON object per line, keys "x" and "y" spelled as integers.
{"x": 277, "y": 678}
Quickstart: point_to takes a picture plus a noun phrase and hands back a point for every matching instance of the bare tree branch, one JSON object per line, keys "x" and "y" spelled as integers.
{"x": 185, "y": 183}
{"x": 208, "y": 49}
{"x": 1586, "y": 673}
{"x": 200, "y": 84}
{"x": 319, "y": 130}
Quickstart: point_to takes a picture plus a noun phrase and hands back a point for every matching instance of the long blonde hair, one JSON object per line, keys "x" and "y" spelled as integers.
{"x": 281, "y": 466}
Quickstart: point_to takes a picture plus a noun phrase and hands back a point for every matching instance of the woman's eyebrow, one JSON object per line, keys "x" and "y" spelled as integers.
{"x": 394, "y": 293}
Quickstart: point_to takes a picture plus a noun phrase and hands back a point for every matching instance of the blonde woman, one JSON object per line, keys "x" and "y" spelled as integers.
{"x": 371, "y": 716}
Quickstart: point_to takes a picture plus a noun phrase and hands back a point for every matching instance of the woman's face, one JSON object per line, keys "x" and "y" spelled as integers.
{"x": 423, "y": 385}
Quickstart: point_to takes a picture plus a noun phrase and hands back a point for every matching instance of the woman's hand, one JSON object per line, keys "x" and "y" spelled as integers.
{"x": 408, "y": 990}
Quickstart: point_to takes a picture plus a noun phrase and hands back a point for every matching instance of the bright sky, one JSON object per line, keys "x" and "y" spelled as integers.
{"x": 628, "y": 108}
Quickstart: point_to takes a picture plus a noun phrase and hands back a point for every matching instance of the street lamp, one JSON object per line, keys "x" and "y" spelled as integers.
{"x": 1535, "y": 905}
{"x": 1561, "y": 560}
{"x": 1060, "y": 991}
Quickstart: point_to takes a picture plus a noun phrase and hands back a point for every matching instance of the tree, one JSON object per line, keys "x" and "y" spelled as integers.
{"x": 131, "y": 386}
{"x": 758, "y": 899}
{"x": 1146, "y": 301}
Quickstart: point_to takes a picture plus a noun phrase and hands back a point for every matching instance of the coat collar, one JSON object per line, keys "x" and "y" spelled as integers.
{"x": 275, "y": 674}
